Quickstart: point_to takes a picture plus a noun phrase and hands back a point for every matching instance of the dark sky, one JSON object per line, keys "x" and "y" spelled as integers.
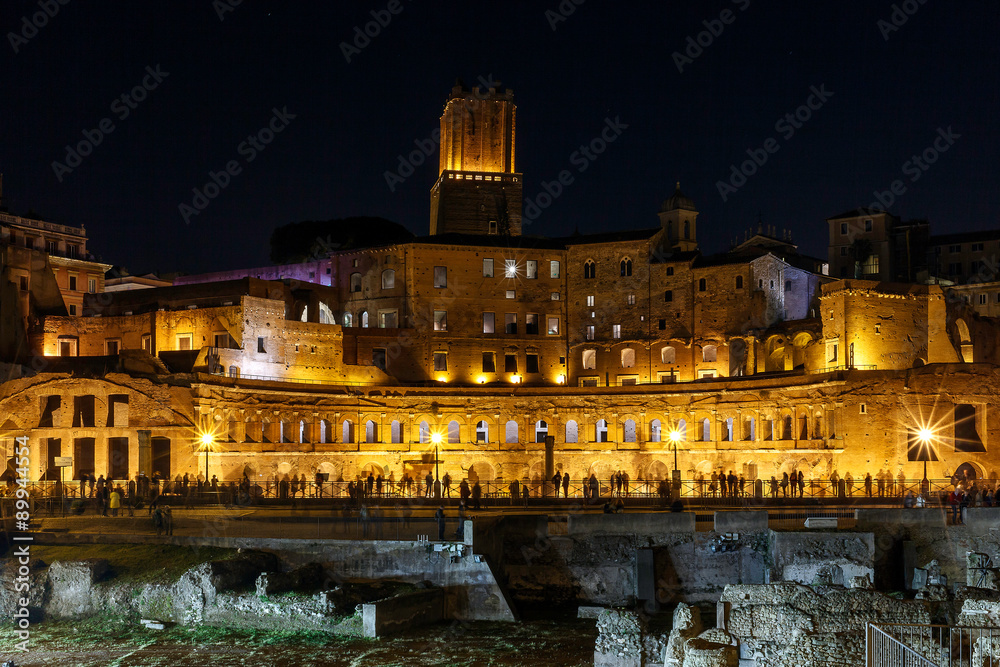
{"x": 606, "y": 60}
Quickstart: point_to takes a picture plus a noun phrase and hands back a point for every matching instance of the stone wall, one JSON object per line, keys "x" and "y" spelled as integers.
{"x": 790, "y": 625}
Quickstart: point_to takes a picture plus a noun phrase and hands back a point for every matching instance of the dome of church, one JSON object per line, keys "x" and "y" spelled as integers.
{"x": 678, "y": 201}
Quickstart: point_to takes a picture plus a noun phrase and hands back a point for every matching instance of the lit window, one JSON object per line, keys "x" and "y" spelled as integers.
{"x": 510, "y": 268}
{"x": 589, "y": 332}
{"x": 489, "y": 323}
{"x": 590, "y": 301}
{"x": 554, "y": 296}
{"x": 616, "y": 331}
{"x": 440, "y": 361}
{"x": 440, "y": 276}
{"x": 630, "y": 299}
{"x": 589, "y": 359}
{"x": 553, "y": 327}
{"x": 628, "y": 357}
{"x": 511, "y": 294}
{"x": 510, "y": 323}
{"x": 388, "y": 279}
{"x": 553, "y": 269}
{"x": 531, "y": 269}
{"x": 488, "y": 268}
{"x": 709, "y": 353}
{"x": 92, "y": 285}
{"x": 668, "y": 355}
{"x": 440, "y": 320}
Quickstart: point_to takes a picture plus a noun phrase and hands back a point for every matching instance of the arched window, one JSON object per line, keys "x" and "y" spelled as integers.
{"x": 739, "y": 282}
{"x": 655, "y": 429}
{"x": 629, "y": 435}
{"x": 348, "y": 320}
{"x": 355, "y": 282}
{"x": 668, "y": 355}
{"x": 364, "y": 319}
{"x": 541, "y": 430}
{"x": 729, "y": 430}
{"x": 371, "y": 431}
{"x": 706, "y": 430}
{"x": 628, "y": 357}
{"x": 601, "y": 431}
{"x": 348, "y": 431}
{"x": 702, "y": 285}
{"x": 303, "y": 436}
{"x": 511, "y": 432}
{"x": 787, "y": 428}
{"x": 589, "y": 359}
{"x": 388, "y": 279}
{"x": 424, "y": 431}
{"x": 395, "y": 432}
{"x": 571, "y": 431}
{"x": 626, "y": 267}
{"x": 589, "y": 269}
{"x": 709, "y": 353}
{"x": 453, "y": 432}
{"x": 482, "y": 432}
{"x": 324, "y": 431}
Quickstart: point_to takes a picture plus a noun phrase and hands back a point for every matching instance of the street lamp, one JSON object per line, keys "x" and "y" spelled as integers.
{"x": 436, "y": 439}
{"x": 924, "y": 437}
{"x": 675, "y": 437}
{"x": 207, "y": 440}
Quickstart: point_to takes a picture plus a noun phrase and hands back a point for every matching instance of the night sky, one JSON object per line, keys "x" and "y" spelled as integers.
{"x": 892, "y": 90}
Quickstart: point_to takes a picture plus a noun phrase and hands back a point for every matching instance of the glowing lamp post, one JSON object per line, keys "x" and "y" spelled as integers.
{"x": 675, "y": 437}
{"x": 436, "y": 439}
{"x": 207, "y": 441}
{"x": 924, "y": 437}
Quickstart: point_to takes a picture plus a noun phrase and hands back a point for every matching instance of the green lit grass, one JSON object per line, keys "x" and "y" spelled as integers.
{"x": 137, "y": 563}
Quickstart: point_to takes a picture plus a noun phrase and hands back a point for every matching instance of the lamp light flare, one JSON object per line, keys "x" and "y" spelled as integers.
{"x": 675, "y": 436}
{"x": 436, "y": 438}
{"x": 207, "y": 439}
{"x": 925, "y": 435}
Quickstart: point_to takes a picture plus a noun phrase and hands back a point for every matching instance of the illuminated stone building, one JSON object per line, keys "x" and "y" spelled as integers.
{"x": 588, "y": 354}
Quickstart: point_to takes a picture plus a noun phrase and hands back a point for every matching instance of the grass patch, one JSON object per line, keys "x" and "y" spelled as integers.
{"x": 138, "y": 563}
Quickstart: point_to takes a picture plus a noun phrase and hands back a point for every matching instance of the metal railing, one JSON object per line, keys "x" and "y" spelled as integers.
{"x": 495, "y": 493}
{"x": 931, "y": 646}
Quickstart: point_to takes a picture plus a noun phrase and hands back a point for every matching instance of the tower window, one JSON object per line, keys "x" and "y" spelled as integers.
{"x": 739, "y": 282}
{"x": 626, "y": 267}
{"x": 589, "y": 269}
{"x": 668, "y": 296}
{"x": 702, "y": 285}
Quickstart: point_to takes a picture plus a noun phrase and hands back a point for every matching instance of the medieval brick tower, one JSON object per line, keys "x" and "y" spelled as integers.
{"x": 679, "y": 219}
{"x": 478, "y": 191}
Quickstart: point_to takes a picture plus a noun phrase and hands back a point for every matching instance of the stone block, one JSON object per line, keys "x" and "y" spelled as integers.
{"x": 72, "y": 584}
{"x": 686, "y": 625}
{"x": 741, "y": 522}
{"x": 402, "y": 612}
{"x": 821, "y": 522}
